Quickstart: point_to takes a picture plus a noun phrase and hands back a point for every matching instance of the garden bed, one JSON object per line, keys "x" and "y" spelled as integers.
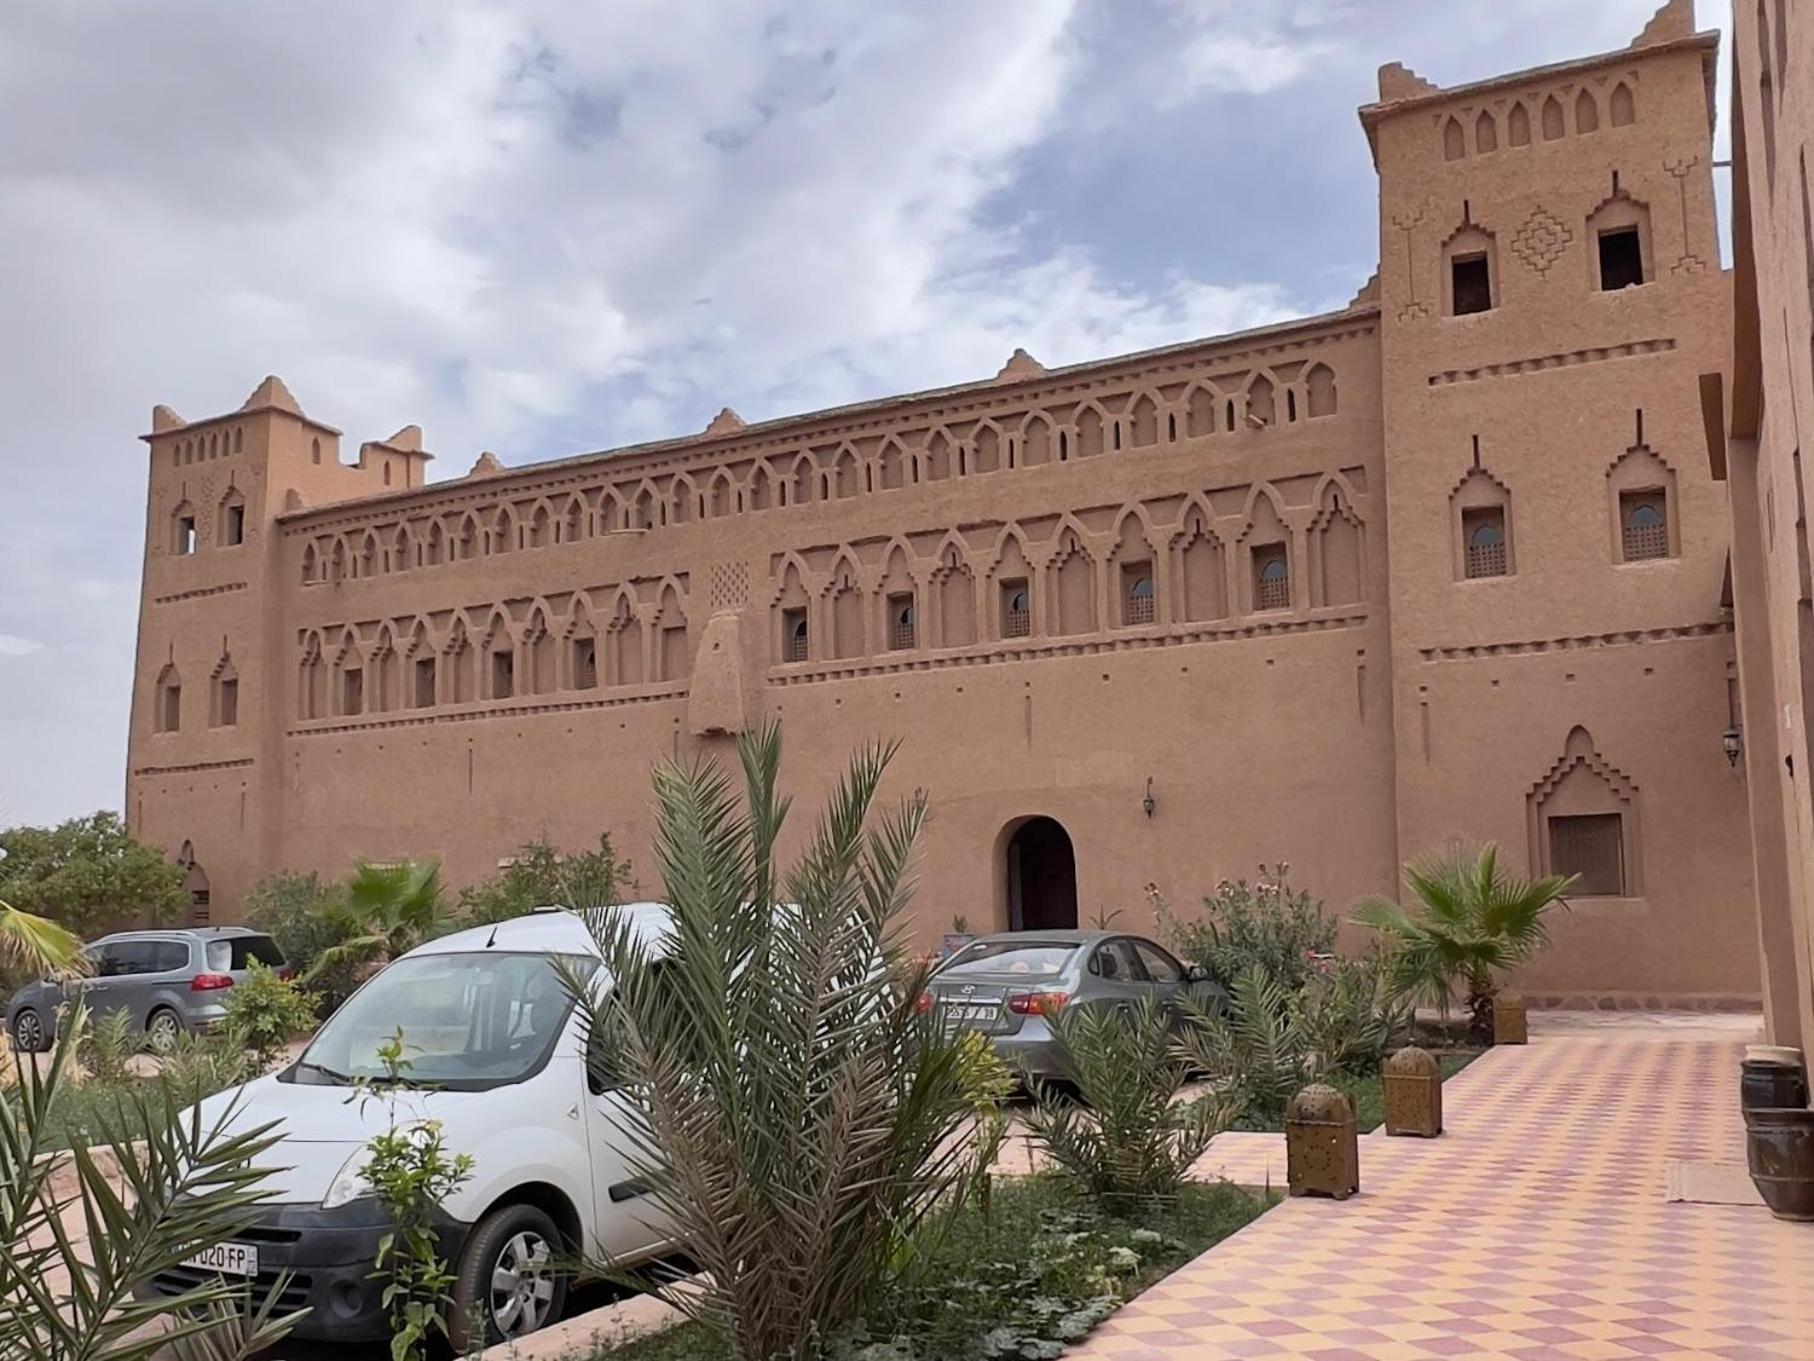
{"x": 1368, "y": 1094}
{"x": 1042, "y": 1270}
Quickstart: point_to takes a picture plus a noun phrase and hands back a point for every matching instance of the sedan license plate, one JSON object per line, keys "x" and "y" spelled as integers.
{"x": 972, "y": 1013}
{"x": 230, "y": 1259}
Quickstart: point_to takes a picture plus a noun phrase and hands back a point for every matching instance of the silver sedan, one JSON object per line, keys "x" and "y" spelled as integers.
{"x": 1007, "y": 985}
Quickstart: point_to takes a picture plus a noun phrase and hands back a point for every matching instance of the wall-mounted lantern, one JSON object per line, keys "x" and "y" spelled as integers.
{"x": 1732, "y": 742}
{"x": 1148, "y": 803}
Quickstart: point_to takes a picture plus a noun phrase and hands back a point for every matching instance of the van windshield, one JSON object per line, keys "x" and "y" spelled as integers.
{"x": 469, "y": 1021}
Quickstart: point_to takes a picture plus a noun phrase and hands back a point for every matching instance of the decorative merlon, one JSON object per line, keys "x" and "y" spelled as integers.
{"x": 726, "y": 422}
{"x": 1398, "y": 81}
{"x": 164, "y": 418}
{"x": 272, "y": 393}
{"x": 488, "y": 465}
{"x": 1020, "y": 367}
{"x": 408, "y": 440}
{"x": 1674, "y": 20}
{"x": 1369, "y": 291}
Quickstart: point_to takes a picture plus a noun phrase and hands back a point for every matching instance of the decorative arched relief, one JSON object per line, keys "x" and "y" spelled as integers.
{"x": 1337, "y": 550}
{"x": 895, "y": 618}
{"x": 572, "y": 526}
{"x": 937, "y": 462}
{"x": 1587, "y": 112}
{"x": 893, "y": 465}
{"x": 1480, "y": 527}
{"x": 382, "y": 686}
{"x": 1072, "y": 575}
{"x": 1268, "y": 543}
{"x": 1486, "y": 133}
{"x": 1454, "y": 141}
{"x": 1202, "y": 572}
{"x": 311, "y": 679}
{"x": 1133, "y": 579}
{"x": 1200, "y": 410}
{"x": 223, "y": 693}
{"x": 311, "y": 564}
{"x": 1642, "y": 508}
{"x": 1518, "y": 125}
{"x": 1037, "y": 444}
{"x": 954, "y": 589}
{"x": 1583, "y": 819}
{"x": 498, "y": 665}
{"x": 847, "y": 477}
{"x": 761, "y": 488}
{"x": 1143, "y": 422}
{"x": 539, "y": 655}
{"x": 1261, "y": 402}
{"x": 581, "y": 637}
{"x": 1319, "y": 390}
{"x": 985, "y": 448}
{"x": 673, "y": 640}
{"x": 1624, "y": 108}
{"x": 624, "y": 653}
{"x": 792, "y": 613}
{"x": 1090, "y": 426}
{"x": 844, "y": 597}
{"x": 1555, "y": 125}
{"x": 459, "y": 666}
{"x": 167, "y": 700}
{"x": 1012, "y": 581}
{"x": 349, "y": 676}
{"x": 503, "y": 531}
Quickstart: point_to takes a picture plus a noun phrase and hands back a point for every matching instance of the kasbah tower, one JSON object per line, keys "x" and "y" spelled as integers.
{"x": 1447, "y": 564}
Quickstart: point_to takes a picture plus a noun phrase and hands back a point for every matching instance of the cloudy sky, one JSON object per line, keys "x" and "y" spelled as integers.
{"x": 544, "y": 227}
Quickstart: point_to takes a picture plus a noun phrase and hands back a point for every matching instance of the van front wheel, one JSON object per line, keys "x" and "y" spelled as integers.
{"x": 507, "y": 1285}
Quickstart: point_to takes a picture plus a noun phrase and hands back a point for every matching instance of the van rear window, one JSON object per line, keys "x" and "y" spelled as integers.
{"x": 236, "y": 952}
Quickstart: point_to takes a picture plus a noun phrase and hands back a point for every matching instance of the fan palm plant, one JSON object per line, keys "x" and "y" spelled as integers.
{"x": 790, "y": 1110}
{"x": 35, "y": 945}
{"x": 161, "y": 1187}
{"x": 1471, "y": 925}
{"x": 389, "y": 909}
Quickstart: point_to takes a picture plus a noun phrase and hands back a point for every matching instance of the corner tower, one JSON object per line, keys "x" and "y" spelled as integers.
{"x": 202, "y": 746}
{"x": 1549, "y": 291}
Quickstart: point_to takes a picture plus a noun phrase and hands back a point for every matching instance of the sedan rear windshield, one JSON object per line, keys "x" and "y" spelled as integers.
{"x": 1026, "y": 958}
{"x": 236, "y": 952}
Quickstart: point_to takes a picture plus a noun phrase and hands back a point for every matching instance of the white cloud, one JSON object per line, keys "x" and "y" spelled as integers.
{"x": 11, "y": 645}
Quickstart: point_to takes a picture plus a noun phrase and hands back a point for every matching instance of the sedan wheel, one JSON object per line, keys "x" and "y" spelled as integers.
{"x": 28, "y": 1032}
{"x": 161, "y": 1031}
{"x": 522, "y": 1284}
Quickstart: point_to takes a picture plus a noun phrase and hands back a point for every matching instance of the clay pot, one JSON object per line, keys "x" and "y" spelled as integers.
{"x": 1779, "y": 1149}
{"x": 1771, "y": 1084}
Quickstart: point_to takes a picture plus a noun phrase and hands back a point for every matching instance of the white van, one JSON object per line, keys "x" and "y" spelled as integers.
{"x": 491, "y": 1030}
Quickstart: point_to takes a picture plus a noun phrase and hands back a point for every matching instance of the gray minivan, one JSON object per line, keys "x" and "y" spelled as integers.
{"x": 167, "y": 981}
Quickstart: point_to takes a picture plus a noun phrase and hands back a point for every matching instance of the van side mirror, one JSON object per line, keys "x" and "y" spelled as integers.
{"x": 1196, "y": 973}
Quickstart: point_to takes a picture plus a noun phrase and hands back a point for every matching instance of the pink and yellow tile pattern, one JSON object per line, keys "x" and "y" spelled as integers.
{"x": 1536, "y": 1227}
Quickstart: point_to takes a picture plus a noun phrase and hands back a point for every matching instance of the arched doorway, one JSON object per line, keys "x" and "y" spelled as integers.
{"x": 195, "y": 885}
{"x": 1042, "y": 877}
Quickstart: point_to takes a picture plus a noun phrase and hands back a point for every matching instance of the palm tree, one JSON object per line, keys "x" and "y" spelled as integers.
{"x": 389, "y": 910}
{"x": 37, "y": 945}
{"x": 1470, "y": 924}
{"x": 791, "y": 1112}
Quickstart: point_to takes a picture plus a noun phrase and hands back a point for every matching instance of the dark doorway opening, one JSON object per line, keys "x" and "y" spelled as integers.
{"x": 1042, "y": 878}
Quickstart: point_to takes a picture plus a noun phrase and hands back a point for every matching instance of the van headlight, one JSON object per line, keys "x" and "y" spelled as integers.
{"x": 349, "y": 1182}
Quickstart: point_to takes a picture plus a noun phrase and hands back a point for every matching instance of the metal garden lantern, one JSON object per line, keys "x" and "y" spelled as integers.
{"x": 1322, "y": 1152}
{"x": 1413, "y": 1082}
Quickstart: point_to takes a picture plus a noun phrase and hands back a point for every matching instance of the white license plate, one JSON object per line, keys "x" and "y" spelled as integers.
{"x": 972, "y": 1014}
{"x": 230, "y": 1259}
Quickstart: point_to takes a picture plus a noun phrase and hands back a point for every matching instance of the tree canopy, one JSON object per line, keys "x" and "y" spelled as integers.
{"x": 87, "y": 874}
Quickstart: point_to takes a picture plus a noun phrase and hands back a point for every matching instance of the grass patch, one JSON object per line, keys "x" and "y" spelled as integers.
{"x": 1041, "y": 1270}
{"x": 1368, "y": 1094}
{"x": 82, "y": 1111}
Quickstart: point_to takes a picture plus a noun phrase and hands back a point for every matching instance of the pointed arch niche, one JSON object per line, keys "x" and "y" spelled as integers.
{"x": 1073, "y": 587}
{"x": 1583, "y": 820}
{"x": 1480, "y": 525}
{"x": 1641, "y": 507}
{"x": 954, "y": 590}
{"x": 1337, "y": 550}
{"x": 1202, "y": 572}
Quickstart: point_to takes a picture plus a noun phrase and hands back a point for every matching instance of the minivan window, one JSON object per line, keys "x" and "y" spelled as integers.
{"x": 235, "y": 952}
{"x": 1030, "y": 958}
{"x": 168, "y": 956}
{"x": 469, "y": 1021}
{"x": 124, "y": 957}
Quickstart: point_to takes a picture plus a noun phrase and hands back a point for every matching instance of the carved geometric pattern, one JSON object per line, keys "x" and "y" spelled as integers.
{"x": 1415, "y": 311}
{"x": 730, "y": 585}
{"x": 1689, "y": 264}
{"x": 1544, "y": 362}
{"x": 1541, "y": 240}
{"x": 1578, "y": 643}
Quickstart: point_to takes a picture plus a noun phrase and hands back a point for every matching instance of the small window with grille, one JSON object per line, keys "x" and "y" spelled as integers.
{"x": 1644, "y": 516}
{"x": 1592, "y": 846}
{"x": 793, "y": 635}
{"x": 1483, "y": 533}
{"x": 1137, "y": 593}
{"x": 1271, "y": 578}
{"x": 1016, "y": 610}
{"x": 902, "y": 634}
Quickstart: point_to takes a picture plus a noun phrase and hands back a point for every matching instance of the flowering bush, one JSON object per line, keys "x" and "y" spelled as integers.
{"x": 1267, "y": 925}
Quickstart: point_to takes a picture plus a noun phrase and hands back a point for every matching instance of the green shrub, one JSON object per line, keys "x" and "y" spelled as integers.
{"x": 88, "y": 874}
{"x": 1257, "y": 1052}
{"x": 106, "y": 1043}
{"x": 197, "y": 1066}
{"x": 1268, "y": 925}
{"x": 306, "y": 918}
{"x": 538, "y": 875}
{"x": 1353, "y": 1014}
{"x": 265, "y": 1012}
{"x": 1131, "y": 1142}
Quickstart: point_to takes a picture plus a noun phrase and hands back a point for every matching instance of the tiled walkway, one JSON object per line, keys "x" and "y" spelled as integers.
{"x": 1537, "y": 1227}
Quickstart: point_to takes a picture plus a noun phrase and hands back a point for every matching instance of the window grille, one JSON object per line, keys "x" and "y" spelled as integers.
{"x": 794, "y": 636}
{"x": 1016, "y": 612}
{"x": 1646, "y": 526}
{"x": 1272, "y": 580}
{"x": 1485, "y": 543}
{"x": 1139, "y": 605}
{"x": 902, "y": 635}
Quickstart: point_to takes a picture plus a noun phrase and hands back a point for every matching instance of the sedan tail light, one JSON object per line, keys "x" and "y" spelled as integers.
{"x": 1037, "y": 1003}
{"x": 210, "y": 982}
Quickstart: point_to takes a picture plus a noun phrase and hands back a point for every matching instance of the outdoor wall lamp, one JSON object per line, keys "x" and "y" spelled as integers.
{"x": 1732, "y": 742}
{"x": 1148, "y": 803}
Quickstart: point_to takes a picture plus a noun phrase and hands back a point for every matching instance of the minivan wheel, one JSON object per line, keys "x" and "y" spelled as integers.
{"x": 161, "y": 1030}
{"x": 28, "y": 1032}
{"x": 507, "y": 1285}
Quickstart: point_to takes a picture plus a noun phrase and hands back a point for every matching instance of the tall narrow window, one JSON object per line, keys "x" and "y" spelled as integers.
{"x": 167, "y": 712}
{"x": 585, "y": 663}
{"x": 1271, "y": 578}
{"x": 1471, "y": 284}
{"x": 1645, "y": 518}
{"x": 425, "y": 682}
{"x": 1016, "y": 610}
{"x": 1483, "y": 532}
{"x": 184, "y": 542}
{"x": 233, "y": 523}
{"x": 1621, "y": 259}
{"x": 1592, "y": 846}
{"x": 352, "y": 690}
{"x": 1137, "y": 593}
{"x": 503, "y": 673}
{"x": 903, "y": 634}
{"x": 795, "y": 641}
